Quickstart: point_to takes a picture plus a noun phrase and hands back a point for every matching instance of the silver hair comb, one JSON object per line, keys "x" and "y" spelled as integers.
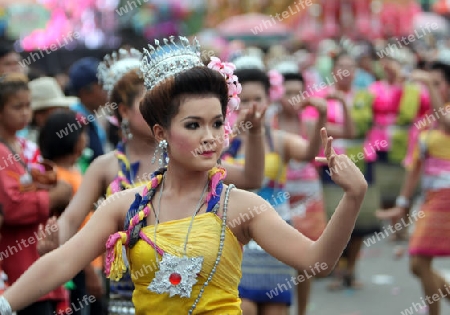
{"x": 116, "y": 65}
{"x": 161, "y": 62}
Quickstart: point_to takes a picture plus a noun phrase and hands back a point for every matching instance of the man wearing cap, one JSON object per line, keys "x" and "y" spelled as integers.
{"x": 46, "y": 96}
{"x": 84, "y": 83}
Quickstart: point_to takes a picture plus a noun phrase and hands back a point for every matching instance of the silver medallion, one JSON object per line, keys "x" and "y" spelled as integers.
{"x": 177, "y": 275}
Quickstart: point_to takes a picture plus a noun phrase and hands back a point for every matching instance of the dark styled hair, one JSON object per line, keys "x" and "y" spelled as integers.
{"x": 254, "y": 75}
{"x": 443, "y": 67}
{"x": 53, "y": 141}
{"x": 293, "y": 77}
{"x": 162, "y": 103}
{"x": 126, "y": 90}
{"x": 10, "y": 84}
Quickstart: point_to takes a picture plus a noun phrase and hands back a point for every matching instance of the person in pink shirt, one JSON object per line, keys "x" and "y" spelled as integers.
{"x": 395, "y": 104}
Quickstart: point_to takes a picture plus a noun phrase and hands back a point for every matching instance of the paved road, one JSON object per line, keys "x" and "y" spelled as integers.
{"x": 389, "y": 288}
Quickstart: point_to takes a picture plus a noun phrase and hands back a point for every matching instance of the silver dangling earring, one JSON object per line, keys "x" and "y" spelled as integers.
{"x": 163, "y": 156}
{"x": 126, "y": 133}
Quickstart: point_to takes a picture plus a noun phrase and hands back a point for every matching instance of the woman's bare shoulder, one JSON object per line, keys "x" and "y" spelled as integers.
{"x": 123, "y": 199}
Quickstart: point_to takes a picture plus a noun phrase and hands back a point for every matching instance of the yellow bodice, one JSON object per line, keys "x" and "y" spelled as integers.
{"x": 220, "y": 296}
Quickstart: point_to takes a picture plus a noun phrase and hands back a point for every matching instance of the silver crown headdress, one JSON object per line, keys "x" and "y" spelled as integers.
{"x": 161, "y": 62}
{"x": 116, "y": 65}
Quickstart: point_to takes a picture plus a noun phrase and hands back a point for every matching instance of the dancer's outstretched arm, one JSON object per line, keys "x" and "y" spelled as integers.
{"x": 62, "y": 264}
{"x": 288, "y": 245}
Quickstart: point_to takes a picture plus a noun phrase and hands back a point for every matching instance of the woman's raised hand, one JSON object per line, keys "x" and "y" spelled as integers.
{"x": 49, "y": 237}
{"x": 342, "y": 169}
{"x": 254, "y": 115}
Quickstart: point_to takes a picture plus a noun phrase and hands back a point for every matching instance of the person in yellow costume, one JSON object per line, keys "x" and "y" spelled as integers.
{"x": 185, "y": 228}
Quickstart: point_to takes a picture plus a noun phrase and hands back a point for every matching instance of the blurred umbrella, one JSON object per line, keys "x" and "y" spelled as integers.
{"x": 431, "y": 22}
{"x": 254, "y": 28}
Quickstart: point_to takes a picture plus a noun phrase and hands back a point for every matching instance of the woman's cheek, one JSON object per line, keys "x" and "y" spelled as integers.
{"x": 183, "y": 143}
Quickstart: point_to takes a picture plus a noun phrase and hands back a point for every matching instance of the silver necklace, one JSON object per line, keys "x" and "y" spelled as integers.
{"x": 177, "y": 275}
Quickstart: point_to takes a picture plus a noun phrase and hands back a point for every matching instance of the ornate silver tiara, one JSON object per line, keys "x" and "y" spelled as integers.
{"x": 116, "y": 65}
{"x": 164, "y": 61}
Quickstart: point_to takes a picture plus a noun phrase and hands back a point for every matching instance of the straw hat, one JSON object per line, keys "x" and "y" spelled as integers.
{"x": 46, "y": 93}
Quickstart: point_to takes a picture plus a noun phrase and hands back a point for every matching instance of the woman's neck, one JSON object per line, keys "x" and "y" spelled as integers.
{"x": 392, "y": 80}
{"x": 285, "y": 116}
{"x": 181, "y": 181}
{"x": 7, "y": 135}
{"x": 67, "y": 162}
{"x": 343, "y": 88}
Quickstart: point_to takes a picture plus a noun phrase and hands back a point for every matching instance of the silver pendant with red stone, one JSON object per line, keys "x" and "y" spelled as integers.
{"x": 176, "y": 275}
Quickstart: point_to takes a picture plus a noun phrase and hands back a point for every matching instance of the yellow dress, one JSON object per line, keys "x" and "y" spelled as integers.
{"x": 220, "y": 295}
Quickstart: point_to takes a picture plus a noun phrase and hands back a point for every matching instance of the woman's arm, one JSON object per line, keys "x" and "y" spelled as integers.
{"x": 251, "y": 175}
{"x": 410, "y": 182}
{"x": 91, "y": 189}
{"x": 62, "y": 264}
{"x": 285, "y": 243}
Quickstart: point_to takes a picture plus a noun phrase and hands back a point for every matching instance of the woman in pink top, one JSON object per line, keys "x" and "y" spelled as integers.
{"x": 397, "y": 105}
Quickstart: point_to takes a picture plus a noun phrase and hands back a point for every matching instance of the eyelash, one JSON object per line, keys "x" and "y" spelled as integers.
{"x": 195, "y": 125}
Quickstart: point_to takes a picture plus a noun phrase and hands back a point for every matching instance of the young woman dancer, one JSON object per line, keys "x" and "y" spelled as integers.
{"x": 303, "y": 182}
{"x": 129, "y": 166}
{"x": 183, "y": 223}
{"x": 260, "y": 271}
{"x": 430, "y": 164}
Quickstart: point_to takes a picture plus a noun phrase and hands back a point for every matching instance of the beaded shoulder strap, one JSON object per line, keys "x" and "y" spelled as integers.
{"x": 220, "y": 249}
{"x": 125, "y": 168}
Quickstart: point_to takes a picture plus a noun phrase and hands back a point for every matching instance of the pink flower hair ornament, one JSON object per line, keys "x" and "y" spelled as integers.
{"x": 276, "y": 85}
{"x": 234, "y": 89}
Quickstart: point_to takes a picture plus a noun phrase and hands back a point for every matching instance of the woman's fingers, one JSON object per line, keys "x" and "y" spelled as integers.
{"x": 321, "y": 160}
{"x": 327, "y": 143}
